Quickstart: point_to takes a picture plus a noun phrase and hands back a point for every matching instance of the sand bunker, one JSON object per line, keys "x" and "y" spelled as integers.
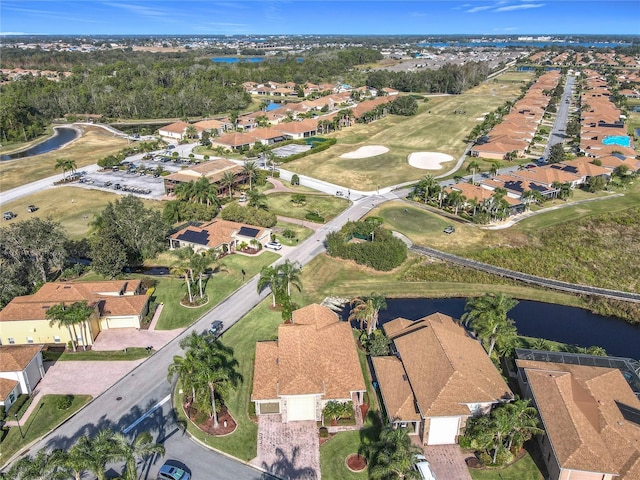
{"x": 366, "y": 152}
{"x": 428, "y": 160}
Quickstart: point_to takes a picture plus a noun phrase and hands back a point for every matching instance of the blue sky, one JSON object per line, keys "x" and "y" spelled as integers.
{"x": 422, "y": 17}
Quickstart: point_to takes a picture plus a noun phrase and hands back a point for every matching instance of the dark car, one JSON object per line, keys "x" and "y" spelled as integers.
{"x": 172, "y": 472}
{"x": 216, "y": 328}
{"x": 31, "y": 208}
{"x": 449, "y": 230}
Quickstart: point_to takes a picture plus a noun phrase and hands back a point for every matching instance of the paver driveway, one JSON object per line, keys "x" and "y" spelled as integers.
{"x": 288, "y": 450}
{"x": 447, "y": 462}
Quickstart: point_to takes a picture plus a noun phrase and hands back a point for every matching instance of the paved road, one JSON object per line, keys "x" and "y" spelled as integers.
{"x": 559, "y": 129}
{"x": 147, "y": 386}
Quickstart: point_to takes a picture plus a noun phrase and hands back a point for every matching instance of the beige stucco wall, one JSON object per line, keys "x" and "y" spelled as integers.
{"x": 129, "y": 321}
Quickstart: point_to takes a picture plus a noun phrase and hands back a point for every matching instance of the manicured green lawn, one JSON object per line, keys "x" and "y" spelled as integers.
{"x": 45, "y": 417}
{"x": 229, "y": 278}
{"x": 301, "y": 233}
{"x": 523, "y": 469}
{"x": 327, "y": 206}
{"x": 259, "y": 325}
{"x": 134, "y": 353}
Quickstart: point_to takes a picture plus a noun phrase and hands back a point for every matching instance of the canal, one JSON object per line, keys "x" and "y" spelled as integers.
{"x": 62, "y": 136}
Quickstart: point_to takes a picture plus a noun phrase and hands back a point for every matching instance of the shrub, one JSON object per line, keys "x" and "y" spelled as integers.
{"x": 324, "y": 432}
{"x": 295, "y": 179}
{"x": 289, "y": 234}
{"x": 314, "y": 217}
{"x": 63, "y": 402}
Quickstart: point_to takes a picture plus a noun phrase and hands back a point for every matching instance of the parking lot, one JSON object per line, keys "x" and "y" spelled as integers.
{"x": 135, "y": 176}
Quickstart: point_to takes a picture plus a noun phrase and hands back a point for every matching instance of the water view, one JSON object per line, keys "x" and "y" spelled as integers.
{"x": 62, "y": 136}
{"x": 559, "y": 323}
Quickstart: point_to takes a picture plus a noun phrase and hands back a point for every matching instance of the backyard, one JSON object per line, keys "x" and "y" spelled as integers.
{"x": 326, "y": 206}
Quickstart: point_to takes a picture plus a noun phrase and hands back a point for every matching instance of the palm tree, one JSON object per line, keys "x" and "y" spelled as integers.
{"x": 184, "y": 368}
{"x": 42, "y": 466}
{"x": 393, "y": 455}
{"x": 250, "y": 169}
{"x": 228, "y": 180}
{"x": 141, "y": 447}
{"x": 289, "y": 273}
{"x": 367, "y": 309}
{"x": 473, "y": 167}
{"x": 204, "y": 192}
{"x": 523, "y": 420}
{"x": 269, "y": 277}
{"x": 456, "y": 200}
{"x": 256, "y": 199}
{"x": 184, "y": 267}
{"x": 487, "y": 316}
{"x": 95, "y": 452}
{"x": 69, "y": 316}
{"x": 65, "y": 164}
{"x": 494, "y": 168}
{"x": 198, "y": 263}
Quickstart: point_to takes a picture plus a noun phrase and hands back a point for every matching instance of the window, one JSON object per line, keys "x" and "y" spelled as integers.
{"x": 11, "y": 341}
{"x": 56, "y": 339}
{"x": 29, "y": 339}
{"x": 12, "y": 397}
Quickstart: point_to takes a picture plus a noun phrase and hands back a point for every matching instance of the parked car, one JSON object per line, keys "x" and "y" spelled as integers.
{"x": 8, "y": 215}
{"x": 31, "y": 208}
{"x": 172, "y": 472}
{"x": 273, "y": 245}
{"x": 216, "y": 328}
{"x": 423, "y": 468}
{"x": 449, "y": 230}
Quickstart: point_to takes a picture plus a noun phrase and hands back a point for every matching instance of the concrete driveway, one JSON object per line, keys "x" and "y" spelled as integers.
{"x": 288, "y": 450}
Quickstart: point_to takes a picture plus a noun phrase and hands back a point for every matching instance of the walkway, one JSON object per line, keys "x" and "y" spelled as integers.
{"x": 288, "y": 450}
{"x": 524, "y": 277}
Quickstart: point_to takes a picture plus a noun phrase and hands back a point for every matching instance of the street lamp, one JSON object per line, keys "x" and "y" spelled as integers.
{"x": 19, "y": 427}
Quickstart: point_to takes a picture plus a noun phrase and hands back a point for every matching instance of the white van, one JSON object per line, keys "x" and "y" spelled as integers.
{"x": 423, "y": 468}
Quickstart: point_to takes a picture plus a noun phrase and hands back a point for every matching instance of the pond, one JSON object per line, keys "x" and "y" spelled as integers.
{"x": 62, "y": 136}
{"x": 559, "y": 323}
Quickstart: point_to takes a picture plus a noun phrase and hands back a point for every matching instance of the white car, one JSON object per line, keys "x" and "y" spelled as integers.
{"x": 273, "y": 245}
{"x": 423, "y": 468}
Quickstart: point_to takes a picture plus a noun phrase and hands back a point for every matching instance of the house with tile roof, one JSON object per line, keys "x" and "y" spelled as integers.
{"x": 591, "y": 419}
{"x": 20, "y": 371}
{"x": 439, "y": 377}
{"x": 219, "y": 235}
{"x": 213, "y": 170}
{"x": 313, "y": 361}
{"x": 116, "y": 303}
{"x": 174, "y": 131}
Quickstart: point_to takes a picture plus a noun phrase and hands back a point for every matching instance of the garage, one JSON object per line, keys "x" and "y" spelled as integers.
{"x": 443, "y": 430}
{"x": 301, "y": 407}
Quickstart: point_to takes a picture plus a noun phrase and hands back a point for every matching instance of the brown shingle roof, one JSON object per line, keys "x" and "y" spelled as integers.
{"x": 177, "y": 127}
{"x": 6, "y": 387}
{"x": 395, "y": 388}
{"x": 578, "y": 407}
{"x": 315, "y": 355}
{"x": 446, "y": 367}
{"x": 218, "y": 232}
{"x": 15, "y": 358}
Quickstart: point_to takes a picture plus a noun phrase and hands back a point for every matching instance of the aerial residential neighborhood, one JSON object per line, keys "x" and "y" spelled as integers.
{"x": 365, "y": 249}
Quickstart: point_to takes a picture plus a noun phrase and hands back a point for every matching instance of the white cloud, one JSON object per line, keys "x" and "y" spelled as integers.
{"x": 524, "y": 6}
{"x": 479, "y": 9}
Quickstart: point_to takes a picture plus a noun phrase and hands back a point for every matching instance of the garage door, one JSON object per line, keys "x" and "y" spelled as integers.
{"x": 443, "y": 431}
{"x": 301, "y": 408}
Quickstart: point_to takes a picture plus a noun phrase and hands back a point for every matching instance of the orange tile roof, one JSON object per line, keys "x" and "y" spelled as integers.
{"x": 235, "y": 139}
{"x": 578, "y": 407}
{"x": 15, "y": 358}
{"x": 213, "y": 170}
{"x": 177, "y": 127}
{"x": 316, "y": 354}
{"x": 306, "y": 125}
{"x": 447, "y": 368}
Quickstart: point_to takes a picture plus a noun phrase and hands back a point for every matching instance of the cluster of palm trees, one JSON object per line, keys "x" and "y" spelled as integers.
{"x": 70, "y": 316}
{"x": 280, "y": 279}
{"x": 502, "y": 433}
{"x": 487, "y": 317}
{"x": 66, "y": 165}
{"x": 365, "y": 310}
{"x": 88, "y": 454}
{"x": 392, "y": 456}
{"x": 192, "y": 266}
{"x": 207, "y": 373}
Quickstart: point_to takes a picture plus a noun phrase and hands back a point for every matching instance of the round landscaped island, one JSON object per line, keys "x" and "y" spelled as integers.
{"x": 356, "y": 462}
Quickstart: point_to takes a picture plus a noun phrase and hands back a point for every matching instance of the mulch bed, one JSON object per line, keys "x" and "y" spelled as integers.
{"x": 208, "y": 427}
{"x": 356, "y": 462}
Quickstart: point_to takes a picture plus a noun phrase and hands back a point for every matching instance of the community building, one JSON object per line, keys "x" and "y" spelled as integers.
{"x": 213, "y": 170}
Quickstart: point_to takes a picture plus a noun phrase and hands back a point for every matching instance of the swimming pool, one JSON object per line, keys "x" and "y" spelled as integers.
{"x": 621, "y": 140}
